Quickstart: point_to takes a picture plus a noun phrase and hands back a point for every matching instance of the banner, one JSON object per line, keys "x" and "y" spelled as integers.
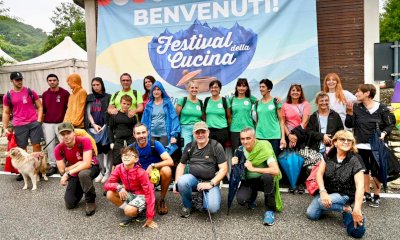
{"x": 176, "y": 41}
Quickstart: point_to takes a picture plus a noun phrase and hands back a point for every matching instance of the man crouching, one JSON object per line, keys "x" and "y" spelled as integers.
{"x": 136, "y": 192}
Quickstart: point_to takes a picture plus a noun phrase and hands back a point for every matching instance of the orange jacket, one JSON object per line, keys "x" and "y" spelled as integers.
{"x": 76, "y": 101}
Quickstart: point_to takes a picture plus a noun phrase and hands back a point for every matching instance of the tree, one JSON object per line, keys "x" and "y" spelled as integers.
{"x": 390, "y": 21}
{"x": 3, "y": 11}
{"x": 69, "y": 20}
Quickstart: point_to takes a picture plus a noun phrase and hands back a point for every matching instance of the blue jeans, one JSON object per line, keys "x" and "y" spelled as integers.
{"x": 186, "y": 134}
{"x": 316, "y": 209}
{"x": 187, "y": 183}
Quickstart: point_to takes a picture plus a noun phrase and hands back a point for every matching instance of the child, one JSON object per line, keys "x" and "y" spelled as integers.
{"x": 136, "y": 192}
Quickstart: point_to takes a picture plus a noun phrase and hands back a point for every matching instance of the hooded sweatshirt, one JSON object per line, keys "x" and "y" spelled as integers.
{"x": 172, "y": 124}
{"x": 76, "y": 101}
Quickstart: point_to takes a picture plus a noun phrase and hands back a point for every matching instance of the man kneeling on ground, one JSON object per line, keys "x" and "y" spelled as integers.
{"x": 136, "y": 193}
{"x": 202, "y": 157}
{"x": 262, "y": 174}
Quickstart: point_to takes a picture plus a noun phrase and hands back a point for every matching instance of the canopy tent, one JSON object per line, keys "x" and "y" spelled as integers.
{"x": 65, "y": 58}
{"x": 6, "y": 56}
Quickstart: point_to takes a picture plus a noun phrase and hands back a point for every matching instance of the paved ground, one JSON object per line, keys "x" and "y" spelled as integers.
{"x": 41, "y": 215}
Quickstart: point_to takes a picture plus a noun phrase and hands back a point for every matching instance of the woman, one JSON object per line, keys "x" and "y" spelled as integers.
{"x": 269, "y": 115}
{"x": 338, "y": 98}
{"x": 190, "y": 111}
{"x": 96, "y": 121}
{"x": 323, "y": 124}
{"x": 148, "y": 81}
{"x": 366, "y": 117}
{"x": 341, "y": 183}
{"x": 217, "y": 113}
{"x": 295, "y": 115}
{"x": 161, "y": 119}
{"x": 241, "y": 105}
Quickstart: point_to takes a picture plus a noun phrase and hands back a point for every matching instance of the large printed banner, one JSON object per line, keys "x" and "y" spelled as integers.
{"x": 179, "y": 40}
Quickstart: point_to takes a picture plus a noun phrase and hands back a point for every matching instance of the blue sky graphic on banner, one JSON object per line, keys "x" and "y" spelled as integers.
{"x": 176, "y": 41}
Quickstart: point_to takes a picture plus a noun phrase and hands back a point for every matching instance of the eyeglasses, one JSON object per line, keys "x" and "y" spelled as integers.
{"x": 129, "y": 155}
{"x": 345, "y": 140}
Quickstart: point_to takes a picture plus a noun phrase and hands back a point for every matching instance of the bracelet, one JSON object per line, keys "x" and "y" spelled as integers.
{"x": 322, "y": 190}
{"x": 119, "y": 188}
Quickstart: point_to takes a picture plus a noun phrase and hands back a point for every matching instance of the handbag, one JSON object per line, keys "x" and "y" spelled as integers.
{"x": 311, "y": 157}
{"x": 311, "y": 182}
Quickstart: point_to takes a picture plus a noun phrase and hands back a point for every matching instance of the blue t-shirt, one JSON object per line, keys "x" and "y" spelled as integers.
{"x": 146, "y": 156}
{"x": 158, "y": 128}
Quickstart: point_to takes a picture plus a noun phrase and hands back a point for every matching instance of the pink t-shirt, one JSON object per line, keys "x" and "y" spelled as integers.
{"x": 294, "y": 112}
{"x": 24, "y": 110}
{"x": 74, "y": 154}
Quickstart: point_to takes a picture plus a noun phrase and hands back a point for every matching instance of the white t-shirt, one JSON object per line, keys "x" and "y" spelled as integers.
{"x": 339, "y": 107}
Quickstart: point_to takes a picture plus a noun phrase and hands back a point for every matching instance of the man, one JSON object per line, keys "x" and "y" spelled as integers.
{"x": 76, "y": 102}
{"x": 55, "y": 103}
{"x": 261, "y": 174}
{"x": 27, "y": 110}
{"x": 80, "y": 170}
{"x": 137, "y": 101}
{"x": 203, "y": 157}
{"x": 152, "y": 155}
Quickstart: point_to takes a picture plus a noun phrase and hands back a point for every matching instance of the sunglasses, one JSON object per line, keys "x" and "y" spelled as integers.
{"x": 344, "y": 140}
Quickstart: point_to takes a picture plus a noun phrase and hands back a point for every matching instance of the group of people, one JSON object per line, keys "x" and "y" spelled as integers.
{"x": 135, "y": 135}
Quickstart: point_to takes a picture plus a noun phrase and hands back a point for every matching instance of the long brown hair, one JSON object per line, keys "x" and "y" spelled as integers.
{"x": 302, "y": 98}
{"x": 339, "y": 88}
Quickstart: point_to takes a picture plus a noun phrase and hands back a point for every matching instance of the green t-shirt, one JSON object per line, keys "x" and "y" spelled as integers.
{"x": 117, "y": 100}
{"x": 241, "y": 113}
{"x": 215, "y": 114}
{"x": 261, "y": 155}
{"x": 191, "y": 113}
{"x": 268, "y": 126}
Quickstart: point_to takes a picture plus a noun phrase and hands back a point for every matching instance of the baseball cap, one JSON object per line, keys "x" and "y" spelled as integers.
{"x": 200, "y": 126}
{"x": 66, "y": 126}
{"x": 15, "y": 76}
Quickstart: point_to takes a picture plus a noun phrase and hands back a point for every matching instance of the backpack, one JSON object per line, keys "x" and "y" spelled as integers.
{"x": 116, "y": 94}
{"x": 30, "y": 94}
{"x": 152, "y": 146}
{"x": 185, "y": 100}
{"x": 224, "y": 104}
{"x": 213, "y": 144}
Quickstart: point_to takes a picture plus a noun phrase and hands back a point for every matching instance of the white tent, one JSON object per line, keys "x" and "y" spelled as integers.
{"x": 65, "y": 58}
{"x": 6, "y": 56}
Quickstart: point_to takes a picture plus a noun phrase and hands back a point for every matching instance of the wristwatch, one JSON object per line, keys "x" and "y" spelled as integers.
{"x": 153, "y": 165}
{"x": 212, "y": 184}
{"x": 68, "y": 174}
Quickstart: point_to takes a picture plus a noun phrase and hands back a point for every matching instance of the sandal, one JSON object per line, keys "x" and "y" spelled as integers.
{"x": 162, "y": 207}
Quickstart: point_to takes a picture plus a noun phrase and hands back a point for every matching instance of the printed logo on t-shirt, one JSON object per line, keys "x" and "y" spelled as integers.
{"x": 24, "y": 100}
{"x": 198, "y": 108}
{"x": 246, "y": 103}
{"x": 78, "y": 156}
{"x": 219, "y": 105}
{"x": 58, "y": 99}
{"x": 271, "y": 107}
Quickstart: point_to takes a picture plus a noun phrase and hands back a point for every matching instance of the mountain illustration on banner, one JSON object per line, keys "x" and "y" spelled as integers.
{"x": 202, "y": 53}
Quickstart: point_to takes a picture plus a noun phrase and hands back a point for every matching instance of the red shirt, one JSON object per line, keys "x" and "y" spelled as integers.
{"x": 74, "y": 154}
{"x": 55, "y": 105}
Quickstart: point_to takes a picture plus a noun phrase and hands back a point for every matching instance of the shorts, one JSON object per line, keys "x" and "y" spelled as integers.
{"x": 137, "y": 201}
{"x": 32, "y": 131}
{"x": 369, "y": 162}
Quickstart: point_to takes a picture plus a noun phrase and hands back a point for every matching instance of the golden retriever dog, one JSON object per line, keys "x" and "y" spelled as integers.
{"x": 29, "y": 165}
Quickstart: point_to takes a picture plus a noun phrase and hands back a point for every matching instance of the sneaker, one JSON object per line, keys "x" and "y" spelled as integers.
{"x": 90, "y": 209}
{"x": 19, "y": 177}
{"x": 291, "y": 190}
{"x": 105, "y": 177}
{"x": 300, "y": 189}
{"x": 51, "y": 171}
{"x": 141, "y": 217}
{"x": 252, "y": 205}
{"x": 367, "y": 197}
{"x": 126, "y": 221}
{"x": 269, "y": 218}
{"x": 185, "y": 212}
{"x": 99, "y": 178}
{"x": 375, "y": 202}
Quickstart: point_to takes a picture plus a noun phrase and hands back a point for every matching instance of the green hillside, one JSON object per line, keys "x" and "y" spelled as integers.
{"x": 19, "y": 40}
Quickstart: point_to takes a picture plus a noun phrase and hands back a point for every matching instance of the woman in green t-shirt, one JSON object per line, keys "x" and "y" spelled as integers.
{"x": 269, "y": 118}
{"x": 241, "y": 105}
{"x": 190, "y": 111}
{"x": 217, "y": 113}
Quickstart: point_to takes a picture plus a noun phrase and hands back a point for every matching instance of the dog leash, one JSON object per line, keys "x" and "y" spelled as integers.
{"x": 49, "y": 143}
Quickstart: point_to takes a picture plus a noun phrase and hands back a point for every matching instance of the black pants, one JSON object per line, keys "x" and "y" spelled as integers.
{"x": 221, "y": 135}
{"x": 235, "y": 140}
{"x": 79, "y": 185}
{"x": 249, "y": 188}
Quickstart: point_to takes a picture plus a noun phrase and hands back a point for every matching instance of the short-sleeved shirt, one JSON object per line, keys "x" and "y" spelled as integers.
{"x": 241, "y": 114}
{"x": 259, "y": 164}
{"x": 23, "y": 109}
{"x": 135, "y": 101}
{"x": 294, "y": 112}
{"x": 215, "y": 114}
{"x": 55, "y": 104}
{"x": 74, "y": 154}
{"x": 158, "y": 118}
{"x": 203, "y": 163}
{"x": 339, "y": 107}
{"x": 147, "y": 156}
{"x": 268, "y": 126}
{"x": 191, "y": 113}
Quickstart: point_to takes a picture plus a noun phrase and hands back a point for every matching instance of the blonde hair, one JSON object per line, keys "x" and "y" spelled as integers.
{"x": 190, "y": 83}
{"x": 339, "y": 88}
{"x": 348, "y": 135}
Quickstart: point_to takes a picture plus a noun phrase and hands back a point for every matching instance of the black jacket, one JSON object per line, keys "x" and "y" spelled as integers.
{"x": 314, "y": 129}
{"x": 365, "y": 124}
